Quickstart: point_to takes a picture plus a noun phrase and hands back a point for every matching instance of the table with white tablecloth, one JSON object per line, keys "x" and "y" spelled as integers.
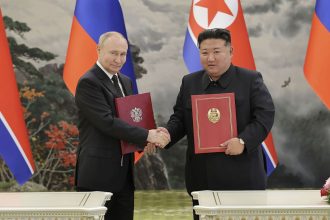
{"x": 53, "y": 205}
{"x": 261, "y": 205}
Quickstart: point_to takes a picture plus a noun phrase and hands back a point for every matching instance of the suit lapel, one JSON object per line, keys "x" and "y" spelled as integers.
{"x": 126, "y": 84}
{"x": 105, "y": 80}
{"x": 109, "y": 85}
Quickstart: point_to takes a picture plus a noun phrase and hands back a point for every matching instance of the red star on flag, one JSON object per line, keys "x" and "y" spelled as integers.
{"x": 214, "y": 7}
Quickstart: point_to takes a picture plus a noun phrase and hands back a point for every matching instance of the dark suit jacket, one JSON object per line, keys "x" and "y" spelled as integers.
{"x": 255, "y": 116}
{"x": 100, "y": 165}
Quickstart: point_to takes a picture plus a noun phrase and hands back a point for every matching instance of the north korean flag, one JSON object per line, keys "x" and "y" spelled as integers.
{"x": 14, "y": 140}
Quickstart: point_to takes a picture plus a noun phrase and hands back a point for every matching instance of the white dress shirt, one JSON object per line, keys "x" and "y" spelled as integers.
{"x": 110, "y": 76}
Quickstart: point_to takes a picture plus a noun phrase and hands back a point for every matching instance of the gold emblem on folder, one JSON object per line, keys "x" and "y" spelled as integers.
{"x": 213, "y": 115}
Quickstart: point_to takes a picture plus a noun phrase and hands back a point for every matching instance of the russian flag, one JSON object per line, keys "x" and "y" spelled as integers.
{"x": 14, "y": 141}
{"x": 91, "y": 19}
{"x": 207, "y": 14}
{"x": 317, "y": 59}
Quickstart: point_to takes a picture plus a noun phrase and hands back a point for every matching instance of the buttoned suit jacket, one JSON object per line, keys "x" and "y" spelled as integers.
{"x": 100, "y": 164}
{"x": 255, "y": 115}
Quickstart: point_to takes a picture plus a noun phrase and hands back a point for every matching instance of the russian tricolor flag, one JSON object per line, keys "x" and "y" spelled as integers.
{"x": 91, "y": 19}
{"x": 317, "y": 58}
{"x": 14, "y": 140}
{"x": 207, "y": 14}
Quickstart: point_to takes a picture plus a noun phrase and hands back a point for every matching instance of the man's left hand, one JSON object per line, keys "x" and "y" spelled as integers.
{"x": 150, "y": 149}
{"x": 234, "y": 147}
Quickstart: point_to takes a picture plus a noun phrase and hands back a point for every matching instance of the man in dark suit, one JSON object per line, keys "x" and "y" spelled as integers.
{"x": 241, "y": 167}
{"x": 100, "y": 164}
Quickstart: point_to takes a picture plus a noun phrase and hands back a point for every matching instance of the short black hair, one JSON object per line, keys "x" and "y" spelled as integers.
{"x": 215, "y": 33}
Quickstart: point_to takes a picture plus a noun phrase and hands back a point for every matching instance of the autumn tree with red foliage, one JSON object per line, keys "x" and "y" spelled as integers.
{"x": 53, "y": 145}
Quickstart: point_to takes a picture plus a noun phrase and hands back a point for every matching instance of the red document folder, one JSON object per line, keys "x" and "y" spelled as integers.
{"x": 214, "y": 120}
{"x": 135, "y": 110}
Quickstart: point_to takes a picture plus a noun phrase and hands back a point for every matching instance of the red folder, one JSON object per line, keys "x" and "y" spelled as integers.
{"x": 136, "y": 110}
{"x": 214, "y": 120}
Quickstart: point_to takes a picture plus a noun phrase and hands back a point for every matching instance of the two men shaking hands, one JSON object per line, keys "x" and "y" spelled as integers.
{"x": 159, "y": 137}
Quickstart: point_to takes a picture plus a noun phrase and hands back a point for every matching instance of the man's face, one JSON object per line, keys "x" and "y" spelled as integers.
{"x": 215, "y": 57}
{"x": 112, "y": 54}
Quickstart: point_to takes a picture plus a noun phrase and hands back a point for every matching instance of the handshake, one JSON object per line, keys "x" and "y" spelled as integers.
{"x": 159, "y": 137}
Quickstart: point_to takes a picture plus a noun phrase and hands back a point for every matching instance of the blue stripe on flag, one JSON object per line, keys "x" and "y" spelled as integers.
{"x": 10, "y": 152}
{"x": 269, "y": 158}
{"x": 322, "y": 10}
{"x": 191, "y": 54}
{"x": 269, "y": 165}
{"x": 100, "y": 16}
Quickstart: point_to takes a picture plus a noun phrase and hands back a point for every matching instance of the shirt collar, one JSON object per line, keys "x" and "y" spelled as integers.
{"x": 223, "y": 81}
{"x": 110, "y": 75}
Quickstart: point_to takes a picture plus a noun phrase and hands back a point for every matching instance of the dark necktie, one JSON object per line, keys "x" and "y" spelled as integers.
{"x": 115, "y": 82}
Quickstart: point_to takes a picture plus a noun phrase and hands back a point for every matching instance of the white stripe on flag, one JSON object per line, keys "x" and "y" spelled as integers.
{"x": 264, "y": 145}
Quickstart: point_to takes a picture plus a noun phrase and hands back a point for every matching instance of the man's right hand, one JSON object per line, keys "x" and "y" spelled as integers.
{"x": 158, "y": 137}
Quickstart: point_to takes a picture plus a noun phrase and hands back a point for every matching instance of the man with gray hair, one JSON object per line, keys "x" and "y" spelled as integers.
{"x": 100, "y": 164}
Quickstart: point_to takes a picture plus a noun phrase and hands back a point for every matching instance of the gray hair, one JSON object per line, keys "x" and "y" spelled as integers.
{"x": 108, "y": 35}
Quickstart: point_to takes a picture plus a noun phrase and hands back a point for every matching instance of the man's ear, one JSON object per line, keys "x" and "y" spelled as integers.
{"x": 98, "y": 49}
